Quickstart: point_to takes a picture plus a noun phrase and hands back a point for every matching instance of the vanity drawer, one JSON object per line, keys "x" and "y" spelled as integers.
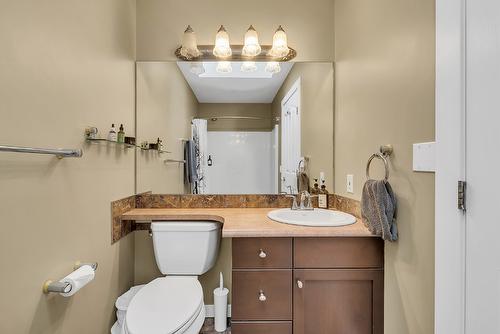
{"x": 259, "y": 253}
{"x": 261, "y": 327}
{"x": 319, "y": 253}
{"x": 275, "y": 286}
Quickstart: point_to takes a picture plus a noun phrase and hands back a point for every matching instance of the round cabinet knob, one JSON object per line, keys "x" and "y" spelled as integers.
{"x": 262, "y": 254}
{"x": 262, "y": 296}
{"x": 300, "y": 285}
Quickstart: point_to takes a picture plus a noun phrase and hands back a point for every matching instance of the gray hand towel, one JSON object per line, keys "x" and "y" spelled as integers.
{"x": 190, "y": 172}
{"x": 378, "y": 209}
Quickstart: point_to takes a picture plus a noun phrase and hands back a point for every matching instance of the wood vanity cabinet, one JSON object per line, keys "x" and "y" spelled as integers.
{"x": 308, "y": 285}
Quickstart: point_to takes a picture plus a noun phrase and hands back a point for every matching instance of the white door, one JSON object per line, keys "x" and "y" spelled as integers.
{"x": 290, "y": 139}
{"x": 482, "y": 311}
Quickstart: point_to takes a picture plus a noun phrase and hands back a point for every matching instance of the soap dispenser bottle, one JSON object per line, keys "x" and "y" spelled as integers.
{"x": 323, "y": 195}
{"x": 315, "y": 190}
{"x": 121, "y": 135}
{"x": 112, "y": 133}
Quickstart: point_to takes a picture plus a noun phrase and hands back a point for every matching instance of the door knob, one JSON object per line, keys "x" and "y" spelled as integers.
{"x": 262, "y": 254}
{"x": 262, "y": 296}
{"x": 300, "y": 285}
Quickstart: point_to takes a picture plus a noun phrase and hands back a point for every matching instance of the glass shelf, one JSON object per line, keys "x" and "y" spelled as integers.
{"x": 125, "y": 145}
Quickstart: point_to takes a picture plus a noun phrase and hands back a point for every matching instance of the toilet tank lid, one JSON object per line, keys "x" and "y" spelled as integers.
{"x": 184, "y": 226}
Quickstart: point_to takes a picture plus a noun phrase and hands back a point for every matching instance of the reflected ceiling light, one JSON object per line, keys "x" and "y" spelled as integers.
{"x": 248, "y": 66}
{"x": 197, "y": 68}
{"x": 251, "y": 47}
{"x": 222, "y": 49}
{"x": 273, "y": 67}
{"x": 189, "y": 48}
{"x": 224, "y": 67}
{"x": 280, "y": 44}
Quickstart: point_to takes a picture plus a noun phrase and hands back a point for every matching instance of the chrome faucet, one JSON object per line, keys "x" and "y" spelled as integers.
{"x": 305, "y": 200}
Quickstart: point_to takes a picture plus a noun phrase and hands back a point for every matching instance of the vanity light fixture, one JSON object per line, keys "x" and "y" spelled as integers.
{"x": 224, "y": 67}
{"x": 248, "y": 66}
{"x": 280, "y": 44}
{"x": 222, "y": 49}
{"x": 189, "y": 48}
{"x": 273, "y": 67}
{"x": 251, "y": 50}
{"x": 251, "y": 47}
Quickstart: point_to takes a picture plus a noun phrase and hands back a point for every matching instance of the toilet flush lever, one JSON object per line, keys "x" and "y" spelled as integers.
{"x": 262, "y": 296}
{"x": 262, "y": 254}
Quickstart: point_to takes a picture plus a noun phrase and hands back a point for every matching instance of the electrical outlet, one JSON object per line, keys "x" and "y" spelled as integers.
{"x": 350, "y": 183}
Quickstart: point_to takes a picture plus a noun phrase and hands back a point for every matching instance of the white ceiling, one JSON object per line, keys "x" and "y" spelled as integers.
{"x": 210, "y": 86}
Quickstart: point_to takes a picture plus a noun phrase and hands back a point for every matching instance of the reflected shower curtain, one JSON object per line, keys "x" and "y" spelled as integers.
{"x": 199, "y": 134}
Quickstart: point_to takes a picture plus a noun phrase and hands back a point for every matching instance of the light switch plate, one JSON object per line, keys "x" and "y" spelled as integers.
{"x": 424, "y": 157}
{"x": 350, "y": 183}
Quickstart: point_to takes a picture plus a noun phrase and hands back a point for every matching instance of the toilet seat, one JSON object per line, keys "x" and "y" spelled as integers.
{"x": 166, "y": 305}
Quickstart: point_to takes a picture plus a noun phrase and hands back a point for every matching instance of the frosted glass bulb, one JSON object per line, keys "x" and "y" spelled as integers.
{"x": 189, "y": 48}
{"x": 280, "y": 44}
{"x": 248, "y": 66}
{"x": 222, "y": 48}
{"x": 224, "y": 67}
{"x": 251, "y": 47}
{"x": 273, "y": 67}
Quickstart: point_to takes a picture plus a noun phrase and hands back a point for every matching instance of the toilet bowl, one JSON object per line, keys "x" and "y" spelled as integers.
{"x": 174, "y": 304}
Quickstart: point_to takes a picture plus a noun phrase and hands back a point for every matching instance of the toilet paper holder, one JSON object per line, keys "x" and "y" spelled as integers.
{"x": 64, "y": 287}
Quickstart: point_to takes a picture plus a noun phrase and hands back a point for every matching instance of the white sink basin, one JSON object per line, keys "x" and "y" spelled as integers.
{"x": 316, "y": 217}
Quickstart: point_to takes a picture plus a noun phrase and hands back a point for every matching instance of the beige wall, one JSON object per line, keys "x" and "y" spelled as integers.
{"x": 160, "y": 24}
{"x": 261, "y": 110}
{"x": 385, "y": 95}
{"x": 165, "y": 107}
{"x": 316, "y": 115}
{"x": 64, "y": 65}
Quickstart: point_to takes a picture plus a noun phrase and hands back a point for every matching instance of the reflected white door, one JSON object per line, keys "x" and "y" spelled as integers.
{"x": 290, "y": 138}
{"x": 483, "y": 167}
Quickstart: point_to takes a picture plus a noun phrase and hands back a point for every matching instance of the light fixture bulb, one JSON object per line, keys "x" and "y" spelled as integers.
{"x": 222, "y": 48}
{"x": 189, "y": 48}
{"x": 251, "y": 47}
{"x": 248, "y": 66}
{"x": 224, "y": 67}
{"x": 280, "y": 44}
{"x": 273, "y": 67}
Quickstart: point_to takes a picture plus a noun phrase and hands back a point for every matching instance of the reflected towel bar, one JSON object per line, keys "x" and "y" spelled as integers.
{"x": 58, "y": 152}
{"x": 174, "y": 161}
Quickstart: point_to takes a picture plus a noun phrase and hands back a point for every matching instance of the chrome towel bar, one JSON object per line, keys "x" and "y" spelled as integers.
{"x": 385, "y": 152}
{"x": 58, "y": 152}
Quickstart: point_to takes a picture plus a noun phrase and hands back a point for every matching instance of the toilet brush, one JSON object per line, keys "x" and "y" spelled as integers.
{"x": 220, "y": 305}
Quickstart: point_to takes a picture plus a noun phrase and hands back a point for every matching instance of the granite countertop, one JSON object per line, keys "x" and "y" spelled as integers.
{"x": 245, "y": 222}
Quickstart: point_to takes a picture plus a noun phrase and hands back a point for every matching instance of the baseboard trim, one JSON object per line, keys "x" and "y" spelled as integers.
{"x": 210, "y": 311}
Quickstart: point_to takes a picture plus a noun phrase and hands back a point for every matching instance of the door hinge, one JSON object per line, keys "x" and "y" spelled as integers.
{"x": 462, "y": 185}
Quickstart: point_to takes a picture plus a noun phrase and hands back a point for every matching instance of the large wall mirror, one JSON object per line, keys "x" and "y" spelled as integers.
{"x": 234, "y": 127}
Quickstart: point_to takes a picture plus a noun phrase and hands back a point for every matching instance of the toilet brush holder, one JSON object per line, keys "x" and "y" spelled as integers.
{"x": 220, "y": 305}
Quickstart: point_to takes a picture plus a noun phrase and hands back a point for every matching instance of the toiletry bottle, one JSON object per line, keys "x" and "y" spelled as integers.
{"x": 315, "y": 190}
{"x": 121, "y": 135}
{"x": 112, "y": 133}
{"x": 323, "y": 196}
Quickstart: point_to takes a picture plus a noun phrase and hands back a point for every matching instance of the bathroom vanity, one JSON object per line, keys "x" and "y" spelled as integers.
{"x": 307, "y": 285}
{"x": 294, "y": 279}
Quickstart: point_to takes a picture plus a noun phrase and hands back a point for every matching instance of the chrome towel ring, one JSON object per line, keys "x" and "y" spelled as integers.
{"x": 385, "y": 152}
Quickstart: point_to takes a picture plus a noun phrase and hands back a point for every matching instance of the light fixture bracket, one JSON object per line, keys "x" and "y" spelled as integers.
{"x": 207, "y": 55}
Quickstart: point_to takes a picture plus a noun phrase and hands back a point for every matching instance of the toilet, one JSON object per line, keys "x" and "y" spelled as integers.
{"x": 174, "y": 304}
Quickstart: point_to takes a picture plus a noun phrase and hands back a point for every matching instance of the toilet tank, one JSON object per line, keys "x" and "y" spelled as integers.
{"x": 186, "y": 247}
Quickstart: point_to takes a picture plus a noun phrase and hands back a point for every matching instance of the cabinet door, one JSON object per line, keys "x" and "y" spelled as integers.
{"x": 338, "y": 301}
